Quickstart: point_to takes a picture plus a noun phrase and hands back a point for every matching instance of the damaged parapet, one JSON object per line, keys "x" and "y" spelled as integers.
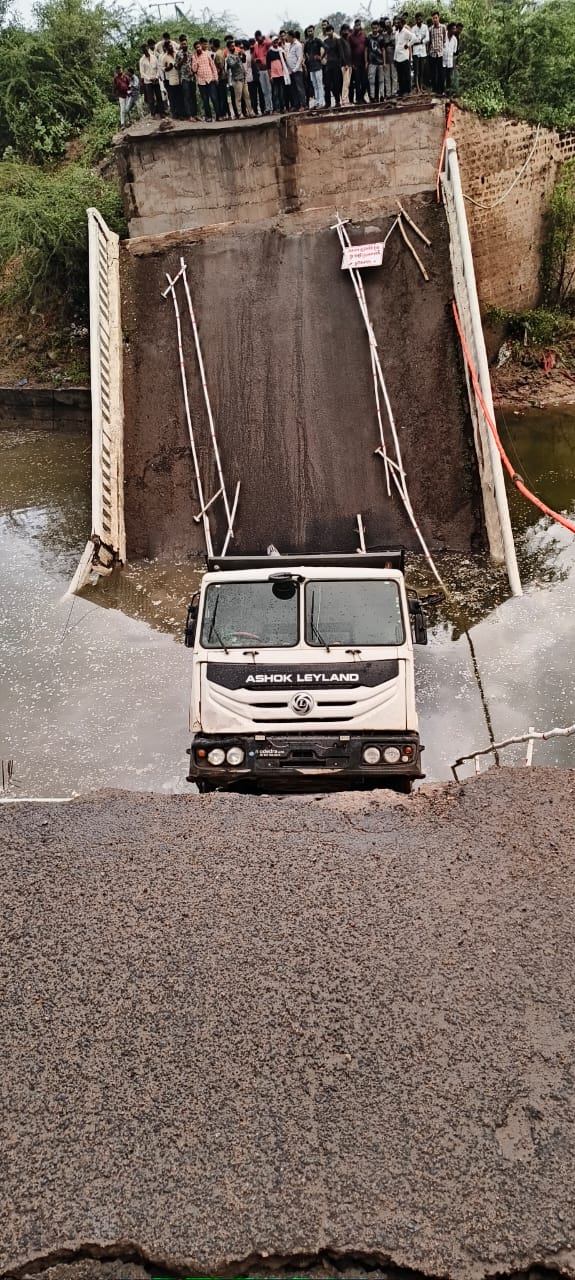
{"x": 495, "y": 504}
{"x": 107, "y": 542}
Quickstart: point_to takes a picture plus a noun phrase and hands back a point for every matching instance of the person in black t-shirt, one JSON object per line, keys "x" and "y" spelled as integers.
{"x": 374, "y": 54}
{"x": 332, "y": 71}
{"x": 313, "y": 53}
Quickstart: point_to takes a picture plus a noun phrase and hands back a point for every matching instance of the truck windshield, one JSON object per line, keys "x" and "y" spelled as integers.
{"x": 240, "y": 614}
{"x": 354, "y": 613}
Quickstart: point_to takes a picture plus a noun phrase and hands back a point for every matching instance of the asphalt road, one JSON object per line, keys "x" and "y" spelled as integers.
{"x": 240, "y": 1033}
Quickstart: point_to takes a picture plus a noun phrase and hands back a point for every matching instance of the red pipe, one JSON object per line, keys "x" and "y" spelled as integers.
{"x": 517, "y": 481}
{"x": 441, "y": 158}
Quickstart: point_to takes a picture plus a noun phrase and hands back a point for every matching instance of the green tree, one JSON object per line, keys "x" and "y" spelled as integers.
{"x": 43, "y": 229}
{"x": 519, "y": 56}
{"x": 558, "y": 269}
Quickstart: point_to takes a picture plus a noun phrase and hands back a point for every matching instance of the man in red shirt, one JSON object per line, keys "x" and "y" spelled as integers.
{"x": 358, "y": 86}
{"x": 260, "y": 55}
{"x": 121, "y": 84}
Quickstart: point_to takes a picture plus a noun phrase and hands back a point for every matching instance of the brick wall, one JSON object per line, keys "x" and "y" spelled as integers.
{"x": 507, "y": 240}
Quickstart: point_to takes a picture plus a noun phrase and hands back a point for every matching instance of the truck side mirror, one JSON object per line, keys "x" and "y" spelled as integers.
{"x": 191, "y": 622}
{"x": 418, "y": 622}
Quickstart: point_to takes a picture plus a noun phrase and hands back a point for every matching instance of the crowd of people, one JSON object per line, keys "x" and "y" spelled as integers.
{"x": 283, "y": 72}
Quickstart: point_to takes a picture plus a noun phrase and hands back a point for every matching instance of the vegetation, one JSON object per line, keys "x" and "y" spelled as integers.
{"x": 43, "y": 228}
{"x": 558, "y": 265}
{"x": 518, "y": 56}
{"x": 538, "y": 328}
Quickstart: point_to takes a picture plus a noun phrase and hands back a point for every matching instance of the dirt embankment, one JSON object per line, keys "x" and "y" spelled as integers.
{"x": 241, "y": 1033}
{"x": 289, "y": 373}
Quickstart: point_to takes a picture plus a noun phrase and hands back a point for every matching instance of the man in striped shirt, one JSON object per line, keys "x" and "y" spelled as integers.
{"x": 437, "y": 38}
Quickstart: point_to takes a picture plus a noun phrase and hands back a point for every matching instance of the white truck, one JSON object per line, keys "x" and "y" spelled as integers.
{"x": 302, "y": 666}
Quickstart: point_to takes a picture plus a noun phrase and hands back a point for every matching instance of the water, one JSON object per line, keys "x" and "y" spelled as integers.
{"x": 502, "y": 665}
{"x": 89, "y": 697}
{"x": 94, "y": 691}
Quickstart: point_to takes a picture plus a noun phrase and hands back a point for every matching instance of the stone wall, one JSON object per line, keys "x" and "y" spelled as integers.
{"x": 47, "y": 408}
{"x": 507, "y": 239}
{"x": 195, "y": 176}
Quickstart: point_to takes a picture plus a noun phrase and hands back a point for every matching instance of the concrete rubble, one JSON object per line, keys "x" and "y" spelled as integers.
{"x": 333, "y": 1034}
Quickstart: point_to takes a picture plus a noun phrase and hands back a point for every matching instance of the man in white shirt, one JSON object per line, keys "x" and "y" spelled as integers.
{"x": 420, "y": 33}
{"x": 293, "y": 53}
{"x": 149, "y": 74}
{"x": 449, "y": 55}
{"x": 402, "y": 57}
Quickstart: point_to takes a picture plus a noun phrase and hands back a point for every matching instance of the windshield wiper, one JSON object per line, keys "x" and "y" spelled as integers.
{"x": 214, "y": 630}
{"x": 314, "y": 629}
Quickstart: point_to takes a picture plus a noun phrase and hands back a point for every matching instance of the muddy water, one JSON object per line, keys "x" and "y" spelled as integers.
{"x": 495, "y": 666}
{"x": 94, "y": 691}
{"x": 89, "y": 697}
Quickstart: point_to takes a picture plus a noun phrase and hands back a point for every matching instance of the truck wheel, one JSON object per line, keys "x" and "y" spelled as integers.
{"x": 204, "y": 786}
{"x": 403, "y": 785}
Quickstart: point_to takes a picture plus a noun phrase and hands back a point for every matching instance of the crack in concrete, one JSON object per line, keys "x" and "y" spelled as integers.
{"x": 325, "y": 1261}
{"x": 260, "y": 1266}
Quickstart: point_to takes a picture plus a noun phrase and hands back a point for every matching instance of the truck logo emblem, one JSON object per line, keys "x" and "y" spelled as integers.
{"x": 302, "y": 704}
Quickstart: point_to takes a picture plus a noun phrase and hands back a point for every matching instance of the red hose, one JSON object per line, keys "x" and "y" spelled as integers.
{"x": 517, "y": 481}
{"x": 441, "y": 158}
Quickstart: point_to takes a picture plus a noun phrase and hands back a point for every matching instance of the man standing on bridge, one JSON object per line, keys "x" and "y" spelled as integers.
{"x": 259, "y": 55}
{"x": 402, "y": 57}
{"x": 437, "y": 38}
{"x": 358, "y": 85}
{"x": 204, "y": 69}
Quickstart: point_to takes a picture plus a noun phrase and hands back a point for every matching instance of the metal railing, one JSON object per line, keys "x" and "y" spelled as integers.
{"x": 108, "y": 538}
{"x": 495, "y": 504}
{"x": 230, "y": 507}
{"x": 530, "y": 738}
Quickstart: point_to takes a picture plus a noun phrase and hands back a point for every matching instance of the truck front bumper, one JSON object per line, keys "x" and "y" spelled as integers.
{"x": 277, "y": 755}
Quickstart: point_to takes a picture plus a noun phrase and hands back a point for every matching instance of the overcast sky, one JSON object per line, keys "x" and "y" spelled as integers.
{"x": 248, "y": 14}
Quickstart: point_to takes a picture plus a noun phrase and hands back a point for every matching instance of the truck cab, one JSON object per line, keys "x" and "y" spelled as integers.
{"x": 303, "y": 666}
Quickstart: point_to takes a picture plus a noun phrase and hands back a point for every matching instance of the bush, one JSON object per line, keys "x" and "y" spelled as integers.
{"x": 43, "y": 229}
{"x": 486, "y": 98}
{"x": 97, "y": 137}
{"x": 538, "y": 328}
{"x": 557, "y": 271}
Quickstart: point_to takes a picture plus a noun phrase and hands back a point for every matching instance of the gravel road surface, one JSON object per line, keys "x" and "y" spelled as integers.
{"x": 244, "y": 1033}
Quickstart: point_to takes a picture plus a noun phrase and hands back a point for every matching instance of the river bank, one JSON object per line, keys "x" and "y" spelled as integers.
{"x": 519, "y": 386}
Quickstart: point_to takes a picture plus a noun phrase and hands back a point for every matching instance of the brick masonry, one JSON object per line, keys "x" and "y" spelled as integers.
{"x": 507, "y": 239}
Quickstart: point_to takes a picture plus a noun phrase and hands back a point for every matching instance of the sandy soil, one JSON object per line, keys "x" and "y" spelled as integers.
{"x": 242, "y": 1032}
{"x": 288, "y": 367}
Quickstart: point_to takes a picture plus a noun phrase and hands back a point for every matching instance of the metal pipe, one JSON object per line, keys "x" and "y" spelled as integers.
{"x": 452, "y": 168}
{"x": 401, "y": 482}
{"x": 207, "y": 532}
{"x": 207, "y": 400}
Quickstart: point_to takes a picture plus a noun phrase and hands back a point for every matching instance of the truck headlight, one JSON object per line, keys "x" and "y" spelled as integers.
{"x": 391, "y": 755}
{"x": 372, "y": 755}
{"x": 235, "y": 755}
{"x": 216, "y": 755}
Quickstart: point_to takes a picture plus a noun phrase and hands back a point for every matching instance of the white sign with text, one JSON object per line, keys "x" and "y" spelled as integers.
{"x": 362, "y": 255}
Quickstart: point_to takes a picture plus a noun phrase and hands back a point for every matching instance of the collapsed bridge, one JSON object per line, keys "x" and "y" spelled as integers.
{"x": 245, "y": 370}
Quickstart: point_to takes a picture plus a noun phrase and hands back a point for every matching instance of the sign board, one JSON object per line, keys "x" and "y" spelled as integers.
{"x": 362, "y": 255}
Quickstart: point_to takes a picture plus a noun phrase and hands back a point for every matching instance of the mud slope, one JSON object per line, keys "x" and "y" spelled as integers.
{"x": 288, "y": 368}
{"x": 236, "y": 1029}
